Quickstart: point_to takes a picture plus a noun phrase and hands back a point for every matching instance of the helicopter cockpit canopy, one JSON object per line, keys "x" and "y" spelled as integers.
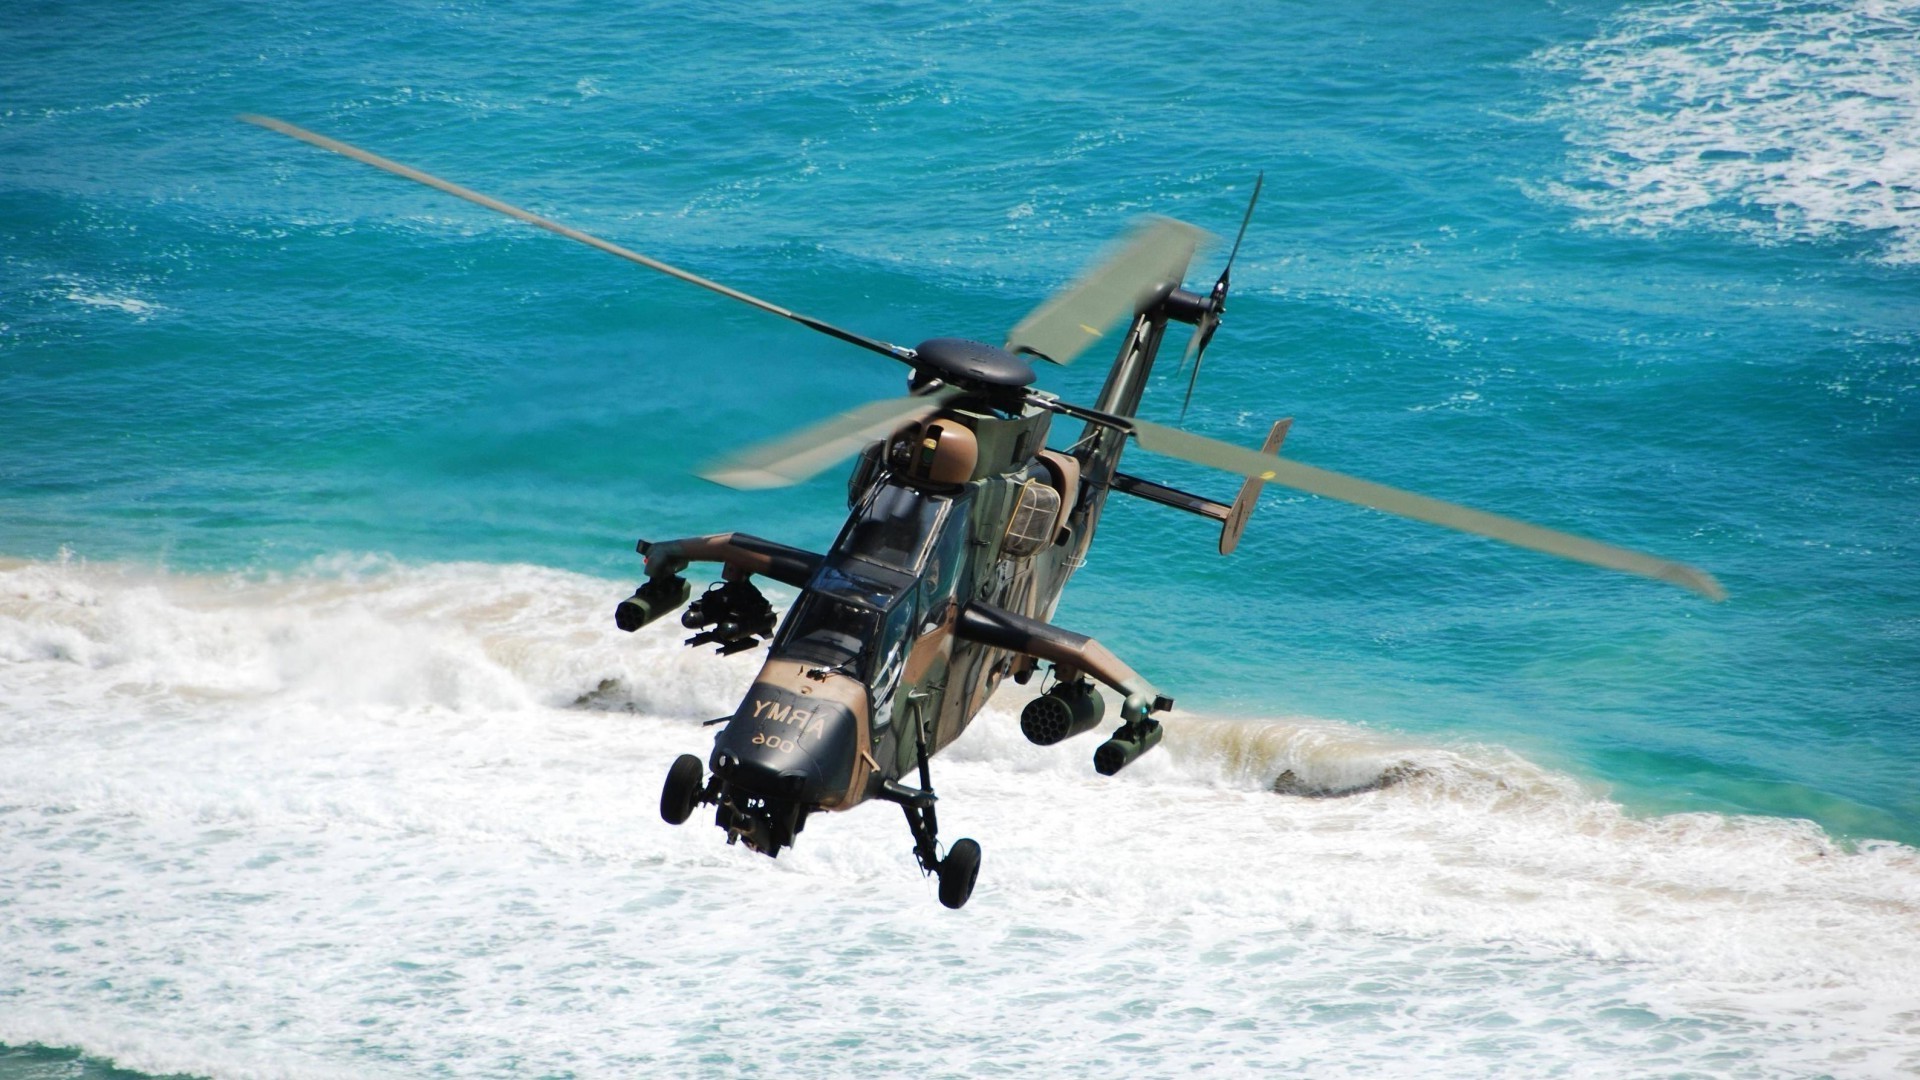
{"x": 894, "y": 529}
{"x": 851, "y": 612}
{"x": 860, "y": 604}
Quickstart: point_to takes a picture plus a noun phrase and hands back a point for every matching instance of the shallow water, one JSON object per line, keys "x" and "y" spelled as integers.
{"x": 316, "y": 489}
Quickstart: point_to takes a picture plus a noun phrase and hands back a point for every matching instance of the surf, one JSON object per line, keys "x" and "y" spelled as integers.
{"x": 375, "y": 781}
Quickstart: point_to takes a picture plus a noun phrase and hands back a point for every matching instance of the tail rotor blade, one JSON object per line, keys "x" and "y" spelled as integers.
{"x": 1245, "y": 219}
{"x": 1217, "y": 301}
{"x": 805, "y": 453}
{"x": 1153, "y": 257}
{"x": 884, "y": 348}
{"x": 1220, "y": 455}
{"x": 1198, "y": 348}
{"x": 1192, "y": 349}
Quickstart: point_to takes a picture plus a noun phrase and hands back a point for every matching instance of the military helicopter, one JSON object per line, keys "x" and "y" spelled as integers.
{"x": 965, "y": 524}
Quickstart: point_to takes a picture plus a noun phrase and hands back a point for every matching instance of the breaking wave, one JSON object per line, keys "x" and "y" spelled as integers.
{"x": 371, "y": 818}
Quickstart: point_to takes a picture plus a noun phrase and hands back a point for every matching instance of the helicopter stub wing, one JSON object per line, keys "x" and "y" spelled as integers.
{"x": 1152, "y": 258}
{"x": 982, "y": 622}
{"x": 1333, "y": 485}
{"x": 803, "y": 454}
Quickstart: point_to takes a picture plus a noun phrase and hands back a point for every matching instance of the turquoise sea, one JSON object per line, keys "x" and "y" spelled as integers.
{"x": 320, "y": 755}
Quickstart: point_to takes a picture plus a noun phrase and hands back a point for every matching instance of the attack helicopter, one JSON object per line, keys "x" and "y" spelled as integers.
{"x": 965, "y": 523}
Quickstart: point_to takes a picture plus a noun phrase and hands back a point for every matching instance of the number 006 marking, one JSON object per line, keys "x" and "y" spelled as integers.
{"x": 785, "y": 746}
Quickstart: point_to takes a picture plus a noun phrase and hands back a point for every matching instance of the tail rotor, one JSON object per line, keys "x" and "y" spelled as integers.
{"x": 1216, "y": 304}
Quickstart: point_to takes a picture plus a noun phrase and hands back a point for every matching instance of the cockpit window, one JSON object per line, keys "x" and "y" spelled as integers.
{"x": 860, "y": 582}
{"x": 830, "y": 632}
{"x": 894, "y": 528}
{"x": 869, "y": 578}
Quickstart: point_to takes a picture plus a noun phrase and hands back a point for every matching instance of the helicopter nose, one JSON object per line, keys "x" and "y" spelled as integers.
{"x": 782, "y": 745}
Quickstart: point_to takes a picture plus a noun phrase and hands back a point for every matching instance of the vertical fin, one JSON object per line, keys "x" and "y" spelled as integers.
{"x": 1249, "y": 496}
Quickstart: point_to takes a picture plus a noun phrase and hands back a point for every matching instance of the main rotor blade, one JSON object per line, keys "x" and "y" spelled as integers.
{"x": 1204, "y": 451}
{"x": 803, "y": 454}
{"x": 394, "y": 167}
{"x": 1154, "y": 257}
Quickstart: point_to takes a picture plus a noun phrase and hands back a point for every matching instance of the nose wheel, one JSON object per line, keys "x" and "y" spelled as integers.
{"x": 686, "y": 783}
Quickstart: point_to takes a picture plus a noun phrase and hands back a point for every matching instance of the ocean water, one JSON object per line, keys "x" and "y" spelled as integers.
{"x": 320, "y": 756}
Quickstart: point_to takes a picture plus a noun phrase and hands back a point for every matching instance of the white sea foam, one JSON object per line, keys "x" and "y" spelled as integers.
{"x": 1779, "y": 118}
{"x": 385, "y": 820}
{"x": 132, "y": 305}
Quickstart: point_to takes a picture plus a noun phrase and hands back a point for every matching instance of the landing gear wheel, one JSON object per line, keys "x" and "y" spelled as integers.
{"x": 957, "y": 873}
{"x": 682, "y": 790}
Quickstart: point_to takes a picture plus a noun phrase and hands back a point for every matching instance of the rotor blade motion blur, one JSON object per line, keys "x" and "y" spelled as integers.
{"x": 1220, "y": 455}
{"x": 1216, "y": 302}
{"x": 803, "y": 454}
{"x": 884, "y": 348}
{"x": 1154, "y": 257}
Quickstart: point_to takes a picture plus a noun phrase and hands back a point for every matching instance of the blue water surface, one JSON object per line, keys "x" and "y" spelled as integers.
{"x": 221, "y": 350}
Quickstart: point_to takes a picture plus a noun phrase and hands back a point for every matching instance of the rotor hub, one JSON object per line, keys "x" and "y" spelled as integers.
{"x": 973, "y": 365}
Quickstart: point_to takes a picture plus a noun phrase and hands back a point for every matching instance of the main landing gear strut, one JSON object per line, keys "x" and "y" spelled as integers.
{"x": 961, "y": 867}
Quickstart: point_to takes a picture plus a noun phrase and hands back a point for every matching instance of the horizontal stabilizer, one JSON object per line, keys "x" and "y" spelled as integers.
{"x": 1232, "y": 519}
{"x": 1249, "y": 497}
{"x": 1174, "y": 497}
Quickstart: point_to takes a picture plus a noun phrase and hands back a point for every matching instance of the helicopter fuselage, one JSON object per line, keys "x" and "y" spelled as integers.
{"x": 924, "y": 604}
